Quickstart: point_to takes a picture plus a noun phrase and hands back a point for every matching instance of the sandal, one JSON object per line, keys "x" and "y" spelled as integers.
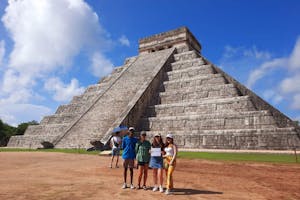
{"x": 138, "y": 187}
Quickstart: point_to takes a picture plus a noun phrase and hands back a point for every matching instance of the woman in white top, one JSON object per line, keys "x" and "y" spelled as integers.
{"x": 170, "y": 161}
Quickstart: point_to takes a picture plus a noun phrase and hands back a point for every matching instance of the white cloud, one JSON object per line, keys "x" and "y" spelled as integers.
{"x": 254, "y": 52}
{"x": 272, "y": 96}
{"x": 124, "y": 41}
{"x": 291, "y": 63}
{"x": 290, "y": 84}
{"x": 14, "y": 81}
{"x": 63, "y": 92}
{"x": 294, "y": 60}
{"x": 14, "y": 114}
{"x": 101, "y": 66}
{"x": 47, "y": 36}
{"x": 2, "y": 52}
{"x": 243, "y": 53}
{"x": 296, "y": 101}
{"x": 264, "y": 68}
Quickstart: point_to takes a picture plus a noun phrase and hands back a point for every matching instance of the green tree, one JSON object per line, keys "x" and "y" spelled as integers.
{"x": 6, "y": 131}
{"x": 23, "y": 126}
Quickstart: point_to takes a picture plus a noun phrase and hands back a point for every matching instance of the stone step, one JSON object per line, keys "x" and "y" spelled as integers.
{"x": 46, "y": 129}
{"x": 72, "y": 108}
{"x": 267, "y": 138}
{"x": 205, "y": 105}
{"x": 96, "y": 87}
{"x": 59, "y": 118}
{"x": 194, "y": 81}
{"x": 81, "y": 142}
{"x": 190, "y": 72}
{"x": 114, "y": 74}
{"x": 28, "y": 141}
{"x": 86, "y": 97}
{"x": 188, "y": 55}
{"x": 198, "y": 92}
{"x": 187, "y": 63}
{"x": 249, "y": 119}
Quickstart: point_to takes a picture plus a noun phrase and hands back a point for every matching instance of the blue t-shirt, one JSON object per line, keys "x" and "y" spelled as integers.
{"x": 128, "y": 146}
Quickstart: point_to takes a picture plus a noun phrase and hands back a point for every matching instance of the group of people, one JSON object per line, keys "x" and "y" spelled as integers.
{"x": 157, "y": 155}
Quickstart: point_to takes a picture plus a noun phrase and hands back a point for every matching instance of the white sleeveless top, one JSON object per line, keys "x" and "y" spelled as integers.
{"x": 169, "y": 151}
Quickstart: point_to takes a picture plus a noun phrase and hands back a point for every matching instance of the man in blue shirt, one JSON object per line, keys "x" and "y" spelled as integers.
{"x": 128, "y": 156}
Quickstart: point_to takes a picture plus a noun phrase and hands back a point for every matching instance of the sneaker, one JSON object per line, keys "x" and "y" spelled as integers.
{"x": 161, "y": 189}
{"x": 168, "y": 192}
{"x": 132, "y": 186}
{"x": 144, "y": 187}
{"x": 117, "y": 166}
{"x": 124, "y": 186}
{"x": 155, "y": 189}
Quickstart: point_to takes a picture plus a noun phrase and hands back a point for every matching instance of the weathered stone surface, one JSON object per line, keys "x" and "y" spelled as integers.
{"x": 204, "y": 106}
{"x": 168, "y": 87}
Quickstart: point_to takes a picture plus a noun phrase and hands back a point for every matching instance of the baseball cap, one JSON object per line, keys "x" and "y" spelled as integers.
{"x": 170, "y": 135}
{"x": 143, "y": 133}
{"x": 157, "y": 134}
{"x": 131, "y": 129}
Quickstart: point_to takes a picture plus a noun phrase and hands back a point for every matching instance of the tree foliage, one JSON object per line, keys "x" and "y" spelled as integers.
{"x": 6, "y": 131}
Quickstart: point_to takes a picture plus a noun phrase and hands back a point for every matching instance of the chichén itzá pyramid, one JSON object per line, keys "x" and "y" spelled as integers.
{"x": 168, "y": 87}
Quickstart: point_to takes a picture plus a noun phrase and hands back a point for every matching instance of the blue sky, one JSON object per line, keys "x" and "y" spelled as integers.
{"x": 52, "y": 50}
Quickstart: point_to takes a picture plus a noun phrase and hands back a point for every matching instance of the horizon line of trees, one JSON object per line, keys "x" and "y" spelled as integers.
{"x": 6, "y": 130}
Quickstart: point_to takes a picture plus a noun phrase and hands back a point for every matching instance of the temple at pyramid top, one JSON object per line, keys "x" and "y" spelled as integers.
{"x": 179, "y": 38}
{"x": 169, "y": 87}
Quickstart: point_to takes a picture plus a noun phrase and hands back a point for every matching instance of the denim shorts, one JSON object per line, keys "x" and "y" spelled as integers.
{"x": 115, "y": 151}
{"x": 156, "y": 162}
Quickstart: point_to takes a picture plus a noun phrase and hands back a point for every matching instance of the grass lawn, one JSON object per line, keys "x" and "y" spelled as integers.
{"x": 249, "y": 157}
{"x": 253, "y": 157}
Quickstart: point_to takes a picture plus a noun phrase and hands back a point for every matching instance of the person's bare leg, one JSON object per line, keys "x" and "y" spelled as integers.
{"x": 160, "y": 176}
{"x": 155, "y": 177}
{"x": 125, "y": 175}
{"x": 112, "y": 160}
{"x": 131, "y": 176}
{"x": 145, "y": 174}
{"x": 117, "y": 161}
{"x": 140, "y": 171}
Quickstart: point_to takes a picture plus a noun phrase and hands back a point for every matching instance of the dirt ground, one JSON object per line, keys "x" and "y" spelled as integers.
{"x": 39, "y": 175}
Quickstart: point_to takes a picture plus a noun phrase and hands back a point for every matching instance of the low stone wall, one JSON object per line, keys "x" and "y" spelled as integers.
{"x": 241, "y": 140}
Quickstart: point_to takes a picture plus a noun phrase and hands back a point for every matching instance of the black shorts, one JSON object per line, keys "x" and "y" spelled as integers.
{"x": 143, "y": 163}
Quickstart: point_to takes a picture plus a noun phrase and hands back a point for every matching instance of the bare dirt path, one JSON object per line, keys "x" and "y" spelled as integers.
{"x": 39, "y": 175}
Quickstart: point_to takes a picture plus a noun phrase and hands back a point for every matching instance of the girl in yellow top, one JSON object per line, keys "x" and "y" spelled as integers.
{"x": 170, "y": 161}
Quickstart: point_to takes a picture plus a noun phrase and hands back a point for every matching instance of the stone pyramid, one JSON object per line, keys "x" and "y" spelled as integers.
{"x": 168, "y": 87}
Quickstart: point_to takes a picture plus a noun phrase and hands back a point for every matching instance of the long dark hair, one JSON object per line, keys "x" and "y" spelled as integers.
{"x": 160, "y": 143}
{"x": 167, "y": 143}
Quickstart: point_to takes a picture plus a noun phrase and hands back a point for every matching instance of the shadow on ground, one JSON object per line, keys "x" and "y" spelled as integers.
{"x": 185, "y": 191}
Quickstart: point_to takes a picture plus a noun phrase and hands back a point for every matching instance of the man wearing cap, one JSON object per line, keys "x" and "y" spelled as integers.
{"x": 128, "y": 146}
